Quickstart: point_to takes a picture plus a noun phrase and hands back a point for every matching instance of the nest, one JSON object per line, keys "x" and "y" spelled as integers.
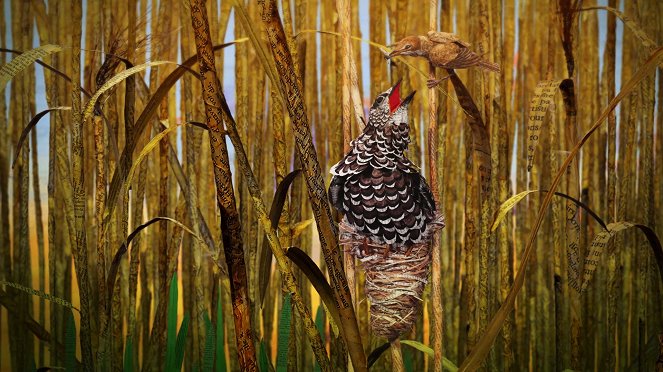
{"x": 395, "y": 278}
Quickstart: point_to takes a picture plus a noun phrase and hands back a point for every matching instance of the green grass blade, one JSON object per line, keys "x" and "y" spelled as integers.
{"x": 171, "y": 325}
{"x": 320, "y": 324}
{"x": 263, "y": 361}
{"x": 70, "y": 342}
{"x": 446, "y": 363}
{"x": 210, "y": 344}
{"x": 181, "y": 343}
{"x": 220, "y": 339}
{"x": 284, "y": 335}
{"x": 129, "y": 355}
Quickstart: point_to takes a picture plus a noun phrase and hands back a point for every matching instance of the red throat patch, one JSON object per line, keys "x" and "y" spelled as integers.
{"x": 395, "y": 98}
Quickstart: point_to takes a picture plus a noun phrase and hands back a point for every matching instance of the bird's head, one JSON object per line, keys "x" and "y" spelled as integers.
{"x": 408, "y": 46}
{"x": 388, "y": 104}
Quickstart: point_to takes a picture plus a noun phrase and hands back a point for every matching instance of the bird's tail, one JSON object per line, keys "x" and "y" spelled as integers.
{"x": 489, "y": 66}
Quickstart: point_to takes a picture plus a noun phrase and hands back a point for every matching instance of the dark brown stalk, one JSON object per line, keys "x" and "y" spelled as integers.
{"x": 230, "y": 225}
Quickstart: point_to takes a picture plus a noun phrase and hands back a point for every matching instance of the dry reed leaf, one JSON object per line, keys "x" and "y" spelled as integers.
{"x": 265, "y": 254}
{"x": 31, "y": 125}
{"x": 299, "y": 227}
{"x": 479, "y": 353}
{"x": 600, "y": 242}
{"x": 154, "y": 142}
{"x": 20, "y": 63}
{"x": 42, "y": 294}
{"x": 647, "y": 42}
{"x": 89, "y": 107}
{"x": 510, "y": 203}
{"x": 317, "y": 279}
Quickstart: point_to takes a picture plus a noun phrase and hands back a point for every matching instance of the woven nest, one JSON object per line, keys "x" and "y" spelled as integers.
{"x": 395, "y": 278}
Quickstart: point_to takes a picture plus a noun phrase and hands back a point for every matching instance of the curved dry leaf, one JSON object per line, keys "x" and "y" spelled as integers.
{"x": 42, "y": 294}
{"x": 21, "y": 62}
{"x": 647, "y": 42}
{"x": 89, "y": 107}
{"x": 515, "y": 199}
{"x": 143, "y": 153}
{"x": 33, "y": 122}
{"x": 601, "y": 241}
{"x": 300, "y": 227}
{"x": 317, "y": 279}
{"x": 275, "y": 211}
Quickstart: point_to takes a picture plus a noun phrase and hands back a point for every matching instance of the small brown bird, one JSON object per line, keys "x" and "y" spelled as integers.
{"x": 442, "y": 49}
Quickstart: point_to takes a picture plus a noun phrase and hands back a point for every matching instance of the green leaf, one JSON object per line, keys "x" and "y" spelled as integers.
{"x": 284, "y": 335}
{"x": 275, "y": 211}
{"x": 70, "y": 342}
{"x": 129, "y": 355}
{"x": 408, "y": 362}
{"x": 181, "y": 343}
{"x": 320, "y": 325}
{"x": 263, "y": 361}
{"x": 446, "y": 363}
{"x": 220, "y": 340}
{"x": 171, "y": 325}
{"x": 210, "y": 340}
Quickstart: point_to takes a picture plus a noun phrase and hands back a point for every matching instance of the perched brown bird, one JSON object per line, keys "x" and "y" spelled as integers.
{"x": 442, "y": 49}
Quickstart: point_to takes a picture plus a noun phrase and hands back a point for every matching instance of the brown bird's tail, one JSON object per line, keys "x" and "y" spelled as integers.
{"x": 489, "y": 66}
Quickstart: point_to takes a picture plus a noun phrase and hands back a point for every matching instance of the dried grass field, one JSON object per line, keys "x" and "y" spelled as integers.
{"x": 164, "y": 168}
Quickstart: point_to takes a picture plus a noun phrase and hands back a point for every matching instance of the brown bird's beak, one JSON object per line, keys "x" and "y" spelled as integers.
{"x": 394, "y": 53}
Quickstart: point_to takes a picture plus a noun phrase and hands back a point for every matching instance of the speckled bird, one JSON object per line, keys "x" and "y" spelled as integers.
{"x": 442, "y": 49}
{"x": 380, "y": 191}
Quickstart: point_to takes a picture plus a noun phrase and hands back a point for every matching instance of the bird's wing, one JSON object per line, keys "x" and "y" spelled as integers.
{"x": 442, "y": 54}
{"x": 423, "y": 194}
{"x": 446, "y": 37}
{"x": 380, "y": 204}
{"x": 336, "y": 192}
{"x": 464, "y": 59}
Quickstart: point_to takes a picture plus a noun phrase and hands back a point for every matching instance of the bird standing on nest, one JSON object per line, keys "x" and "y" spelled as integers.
{"x": 382, "y": 194}
{"x": 442, "y": 49}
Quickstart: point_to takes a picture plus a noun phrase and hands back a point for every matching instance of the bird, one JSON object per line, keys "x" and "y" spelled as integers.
{"x": 442, "y": 49}
{"x": 381, "y": 192}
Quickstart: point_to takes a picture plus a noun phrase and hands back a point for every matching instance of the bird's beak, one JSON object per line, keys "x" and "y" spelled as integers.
{"x": 395, "y": 53}
{"x": 395, "y": 98}
{"x": 408, "y": 99}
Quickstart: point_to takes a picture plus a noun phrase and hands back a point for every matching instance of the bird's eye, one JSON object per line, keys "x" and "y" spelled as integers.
{"x": 408, "y": 46}
{"x": 379, "y": 99}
